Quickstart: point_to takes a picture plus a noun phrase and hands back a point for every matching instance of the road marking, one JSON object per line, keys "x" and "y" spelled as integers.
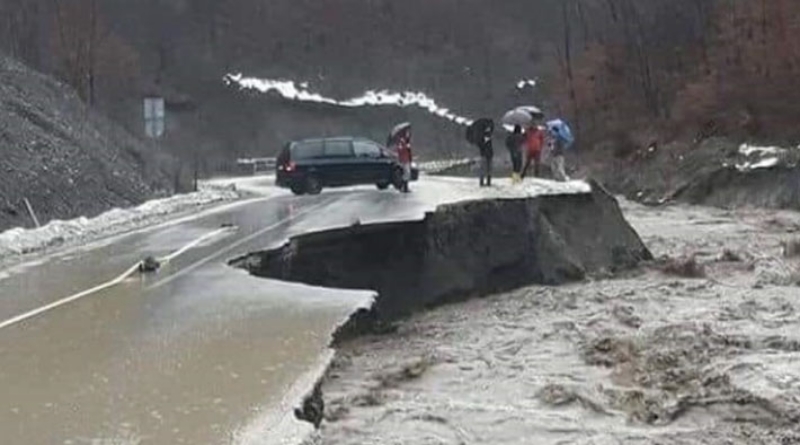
{"x": 230, "y": 247}
{"x": 133, "y": 269}
{"x": 70, "y": 299}
{"x": 192, "y": 245}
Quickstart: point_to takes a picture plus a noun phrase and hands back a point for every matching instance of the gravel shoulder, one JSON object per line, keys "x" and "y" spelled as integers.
{"x": 650, "y": 357}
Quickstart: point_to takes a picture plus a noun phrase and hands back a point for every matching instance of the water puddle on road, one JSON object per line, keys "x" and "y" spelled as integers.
{"x": 220, "y": 358}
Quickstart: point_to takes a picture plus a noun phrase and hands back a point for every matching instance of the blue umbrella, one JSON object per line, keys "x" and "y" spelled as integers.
{"x": 561, "y": 129}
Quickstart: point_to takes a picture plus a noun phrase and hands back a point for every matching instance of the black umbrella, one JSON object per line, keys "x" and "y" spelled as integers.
{"x": 478, "y": 129}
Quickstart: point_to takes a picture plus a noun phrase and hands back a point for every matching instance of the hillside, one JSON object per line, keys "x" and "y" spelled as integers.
{"x": 624, "y": 72}
{"x": 65, "y": 159}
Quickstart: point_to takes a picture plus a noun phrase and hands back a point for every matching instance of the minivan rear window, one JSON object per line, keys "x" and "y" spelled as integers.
{"x": 308, "y": 150}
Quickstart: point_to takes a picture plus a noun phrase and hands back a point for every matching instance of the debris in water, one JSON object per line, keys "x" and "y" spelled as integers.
{"x": 791, "y": 248}
{"x": 684, "y": 268}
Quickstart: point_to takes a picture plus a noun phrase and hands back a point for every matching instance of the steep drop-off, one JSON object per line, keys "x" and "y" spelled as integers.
{"x": 462, "y": 250}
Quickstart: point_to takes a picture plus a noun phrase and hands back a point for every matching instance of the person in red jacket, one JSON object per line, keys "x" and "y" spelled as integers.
{"x": 534, "y": 145}
{"x": 405, "y": 157}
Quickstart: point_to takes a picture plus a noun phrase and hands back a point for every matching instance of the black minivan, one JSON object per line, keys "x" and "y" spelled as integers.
{"x": 308, "y": 166}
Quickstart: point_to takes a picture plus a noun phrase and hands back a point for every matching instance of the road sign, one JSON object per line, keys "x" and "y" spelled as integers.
{"x": 154, "y": 117}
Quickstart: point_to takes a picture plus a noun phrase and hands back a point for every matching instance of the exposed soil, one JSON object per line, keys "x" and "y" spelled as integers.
{"x": 660, "y": 356}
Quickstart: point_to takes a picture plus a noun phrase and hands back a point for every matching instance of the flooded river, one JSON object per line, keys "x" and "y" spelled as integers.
{"x": 643, "y": 358}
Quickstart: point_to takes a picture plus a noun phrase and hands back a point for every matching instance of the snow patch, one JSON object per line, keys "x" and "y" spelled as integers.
{"x": 764, "y": 163}
{"x": 748, "y": 150}
{"x": 433, "y": 167}
{"x": 21, "y": 241}
{"x": 290, "y": 90}
{"x": 446, "y": 190}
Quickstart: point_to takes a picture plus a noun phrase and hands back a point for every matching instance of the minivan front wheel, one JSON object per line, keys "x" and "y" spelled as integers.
{"x": 313, "y": 186}
{"x": 383, "y": 185}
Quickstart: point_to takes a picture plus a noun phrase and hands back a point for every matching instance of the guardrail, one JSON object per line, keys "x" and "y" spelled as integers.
{"x": 258, "y": 164}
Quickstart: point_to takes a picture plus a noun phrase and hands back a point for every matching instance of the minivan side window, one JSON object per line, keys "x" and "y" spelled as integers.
{"x": 338, "y": 149}
{"x": 308, "y": 150}
{"x": 366, "y": 149}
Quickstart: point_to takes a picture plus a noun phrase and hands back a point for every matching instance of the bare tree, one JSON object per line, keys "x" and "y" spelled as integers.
{"x": 75, "y": 44}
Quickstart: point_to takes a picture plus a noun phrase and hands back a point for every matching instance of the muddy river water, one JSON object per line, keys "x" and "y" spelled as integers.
{"x": 644, "y": 358}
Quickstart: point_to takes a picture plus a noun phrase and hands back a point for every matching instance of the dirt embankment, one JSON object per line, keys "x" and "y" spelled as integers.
{"x": 61, "y": 156}
{"x": 717, "y": 172}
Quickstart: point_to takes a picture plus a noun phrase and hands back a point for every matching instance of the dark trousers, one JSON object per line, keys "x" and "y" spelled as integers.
{"x": 536, "y": 161}
{"x": 516, "y": 162}
{"x": 486, "y": 170}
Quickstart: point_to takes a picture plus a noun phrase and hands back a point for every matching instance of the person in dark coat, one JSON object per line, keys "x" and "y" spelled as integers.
{"x": 514, "y": 143}
{"x": 487, "y": 155}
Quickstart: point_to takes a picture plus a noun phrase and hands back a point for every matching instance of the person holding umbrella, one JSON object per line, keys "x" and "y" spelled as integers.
{"x": 400, "y": 142}
{"x": 527, "y": 117}
{"x": 480, "y": 134}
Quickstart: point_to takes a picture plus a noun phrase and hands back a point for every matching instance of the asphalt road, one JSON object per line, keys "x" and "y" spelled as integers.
{"x": 198, "y": 353}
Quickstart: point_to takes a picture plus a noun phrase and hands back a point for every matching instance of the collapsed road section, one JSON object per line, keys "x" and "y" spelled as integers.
{"x": 458, "y": 251}
{"x": 462, "y": 250}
